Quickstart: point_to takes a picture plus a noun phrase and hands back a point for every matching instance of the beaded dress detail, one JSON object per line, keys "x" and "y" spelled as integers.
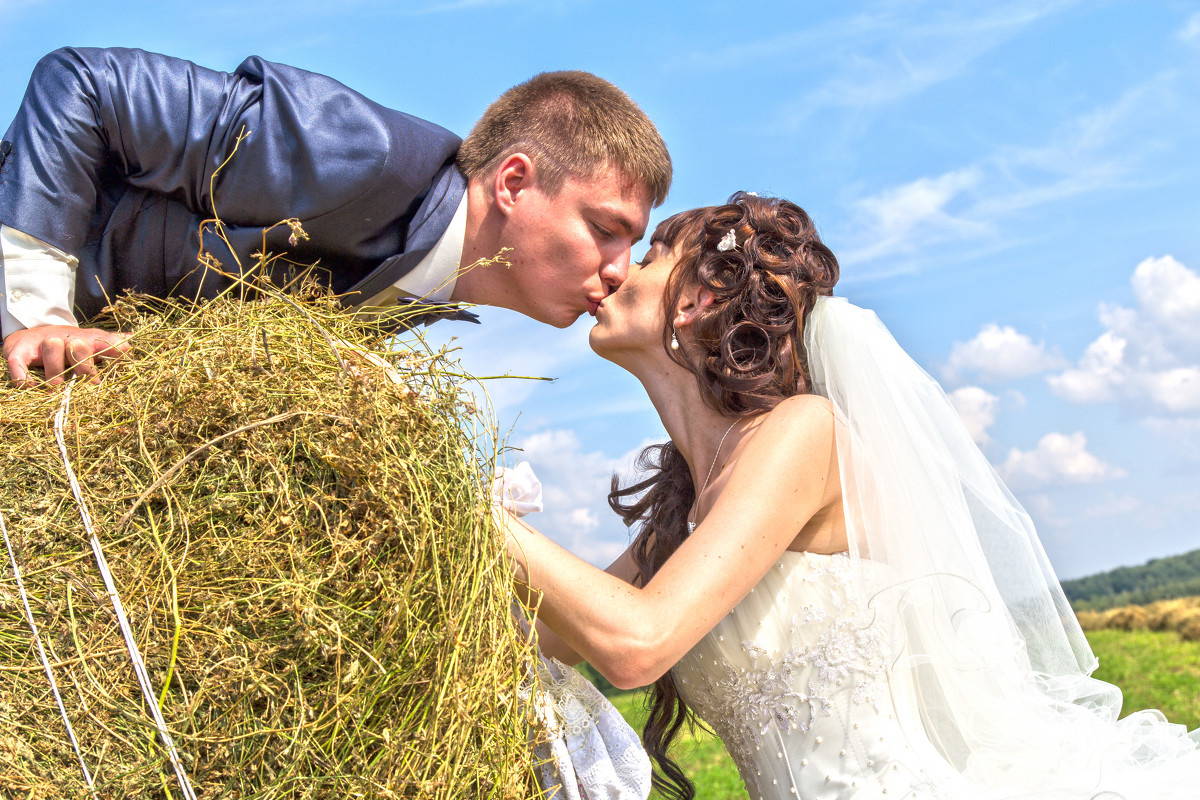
{"x": 795, "y": 682}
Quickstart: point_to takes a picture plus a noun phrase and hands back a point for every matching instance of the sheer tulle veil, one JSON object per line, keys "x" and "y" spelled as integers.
{"x": 990, "y": 663}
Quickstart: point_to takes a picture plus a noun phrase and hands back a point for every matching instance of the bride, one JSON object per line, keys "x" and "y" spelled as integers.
{"x": 826, "y": 570}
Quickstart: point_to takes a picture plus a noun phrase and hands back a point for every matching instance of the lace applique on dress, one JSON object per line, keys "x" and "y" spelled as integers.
{"x": 743, "y": 701}
{"x": 795, "y": 681}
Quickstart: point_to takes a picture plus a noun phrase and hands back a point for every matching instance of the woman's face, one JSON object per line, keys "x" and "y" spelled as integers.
{"x": 630, "y": 320}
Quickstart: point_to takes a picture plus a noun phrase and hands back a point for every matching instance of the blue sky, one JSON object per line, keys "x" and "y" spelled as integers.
{"x": 1011, "y": 185}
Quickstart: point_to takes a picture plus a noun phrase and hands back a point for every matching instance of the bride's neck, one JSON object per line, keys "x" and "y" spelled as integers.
{"x": 694, "y": 426}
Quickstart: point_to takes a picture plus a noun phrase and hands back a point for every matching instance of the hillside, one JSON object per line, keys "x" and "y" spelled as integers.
{"x": 1157, "y": 579}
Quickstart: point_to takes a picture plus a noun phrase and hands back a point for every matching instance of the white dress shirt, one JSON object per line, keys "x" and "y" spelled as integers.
{"x": 37, "y": 281}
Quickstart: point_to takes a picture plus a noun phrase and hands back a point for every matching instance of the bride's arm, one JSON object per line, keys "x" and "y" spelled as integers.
{"x": 549, "y": 642}
{"x": 784, "y": 476}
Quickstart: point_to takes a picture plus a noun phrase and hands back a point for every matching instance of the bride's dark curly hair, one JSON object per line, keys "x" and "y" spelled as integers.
{"x": 746, "y": 350}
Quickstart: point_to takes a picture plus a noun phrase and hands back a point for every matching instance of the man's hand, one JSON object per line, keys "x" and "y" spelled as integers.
{"x": 60, "y": 349}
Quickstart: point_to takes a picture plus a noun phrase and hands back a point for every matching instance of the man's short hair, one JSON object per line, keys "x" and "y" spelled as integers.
{"x": 571, "y": 124}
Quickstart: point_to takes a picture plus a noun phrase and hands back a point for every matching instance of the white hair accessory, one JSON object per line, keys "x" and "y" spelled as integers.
{"x": 728, "y": 242}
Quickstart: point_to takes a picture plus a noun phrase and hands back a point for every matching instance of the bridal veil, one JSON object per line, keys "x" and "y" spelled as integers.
{"x": 990, "y": 664}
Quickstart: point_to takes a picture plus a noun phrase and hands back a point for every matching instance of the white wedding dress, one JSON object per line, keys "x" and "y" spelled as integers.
{"x": 799, "y": 681}
{"x": 795, "y": 681}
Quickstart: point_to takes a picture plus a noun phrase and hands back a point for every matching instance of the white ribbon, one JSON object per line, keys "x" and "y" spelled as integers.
{"x": 135, "y": 656}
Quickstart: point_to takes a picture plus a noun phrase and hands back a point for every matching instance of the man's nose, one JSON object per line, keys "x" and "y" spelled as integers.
{"x": 615, "y": 272}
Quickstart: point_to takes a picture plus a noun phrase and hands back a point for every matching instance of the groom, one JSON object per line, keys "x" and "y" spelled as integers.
{"x": 117, "y": 158}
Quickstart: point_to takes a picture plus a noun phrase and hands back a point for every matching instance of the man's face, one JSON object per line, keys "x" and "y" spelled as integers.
{"x": 571, "y": 249}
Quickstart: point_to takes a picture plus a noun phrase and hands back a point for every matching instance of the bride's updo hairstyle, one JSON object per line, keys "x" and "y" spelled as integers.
{"x": 746, "y": 350}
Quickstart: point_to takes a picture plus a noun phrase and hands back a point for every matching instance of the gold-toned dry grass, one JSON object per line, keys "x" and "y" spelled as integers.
{"x": 305, "y": 553}
{"x": 1181, "y": 615}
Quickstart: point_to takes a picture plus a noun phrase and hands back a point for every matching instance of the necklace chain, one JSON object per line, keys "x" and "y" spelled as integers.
{"x": 690, "y": 523}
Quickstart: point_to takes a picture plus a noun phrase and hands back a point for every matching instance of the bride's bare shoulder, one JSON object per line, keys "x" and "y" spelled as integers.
{"x": 803, "y": 410}
{"x": 801, "y": 426}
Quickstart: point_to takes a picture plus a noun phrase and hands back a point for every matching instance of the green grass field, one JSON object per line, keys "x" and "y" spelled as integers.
{"x": 1153, "y": 669}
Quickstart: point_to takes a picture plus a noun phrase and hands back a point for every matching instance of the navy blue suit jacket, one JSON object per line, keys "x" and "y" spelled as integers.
{"x": 112, "y": 155}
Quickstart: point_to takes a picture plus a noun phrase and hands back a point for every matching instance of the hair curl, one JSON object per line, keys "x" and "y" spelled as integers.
{"x": 746, "y": 350}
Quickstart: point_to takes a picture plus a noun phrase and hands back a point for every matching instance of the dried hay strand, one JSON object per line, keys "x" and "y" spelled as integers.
{"x": 304, "y": 551}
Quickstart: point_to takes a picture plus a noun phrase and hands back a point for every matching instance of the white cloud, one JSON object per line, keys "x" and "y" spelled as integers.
{"x": 1057, "y": 459}
{"x": 1099, "y": 374}
{"x": 999, "y": 353}
{"x": 1175, "y": 390}
{"x": 1110, "y": 146}
{"x": 1169, "y": 294}
{"x": 1100, "y": 149}
{"x": 1149, "y": 356}
{"x": 977, "y": 407}
{"x": 902, "y": 219}
{"x": 584, "y": 520}
{"x": 1191, "y": 28}
{"x": 882, "y": 55}
{"x": 575, "y": 486}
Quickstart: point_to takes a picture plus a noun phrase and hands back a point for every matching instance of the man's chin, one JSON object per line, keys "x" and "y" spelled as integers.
{"x": 563, "y": 320}
{"x": 554, "y": 321}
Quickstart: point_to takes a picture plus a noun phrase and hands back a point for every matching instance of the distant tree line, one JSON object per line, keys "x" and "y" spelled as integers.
{"x": 1157, "y": 579}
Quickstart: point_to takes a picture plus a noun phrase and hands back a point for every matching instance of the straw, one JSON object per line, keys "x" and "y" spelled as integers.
{"x": 302, "y": 550}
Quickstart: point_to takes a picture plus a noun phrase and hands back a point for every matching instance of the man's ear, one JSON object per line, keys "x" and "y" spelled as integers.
{"x": 515, "y": 174}
{"x": 691, "y": 303}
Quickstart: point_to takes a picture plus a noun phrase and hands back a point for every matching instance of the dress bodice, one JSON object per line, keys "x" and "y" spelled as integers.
{"x": 795, "y": 682}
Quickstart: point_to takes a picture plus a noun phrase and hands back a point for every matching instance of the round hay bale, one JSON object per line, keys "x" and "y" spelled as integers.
{"x": 1165, "y": 615}
{"x": 1090, "y": 620}
{"x": 1187, "y": 623}
{"x": 1126, "y": 618}
{"x": 303, "y": 549}
{"x": 1158, "y": 613}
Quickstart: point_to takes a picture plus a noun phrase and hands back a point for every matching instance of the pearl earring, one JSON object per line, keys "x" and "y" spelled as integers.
{"x": 674, "y": 339}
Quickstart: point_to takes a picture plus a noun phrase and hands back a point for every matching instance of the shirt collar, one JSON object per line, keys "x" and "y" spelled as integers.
{"x": 434, "y": 276}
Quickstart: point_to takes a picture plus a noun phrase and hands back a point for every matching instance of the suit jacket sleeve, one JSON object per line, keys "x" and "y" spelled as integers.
{"x": 95, "y": 122}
